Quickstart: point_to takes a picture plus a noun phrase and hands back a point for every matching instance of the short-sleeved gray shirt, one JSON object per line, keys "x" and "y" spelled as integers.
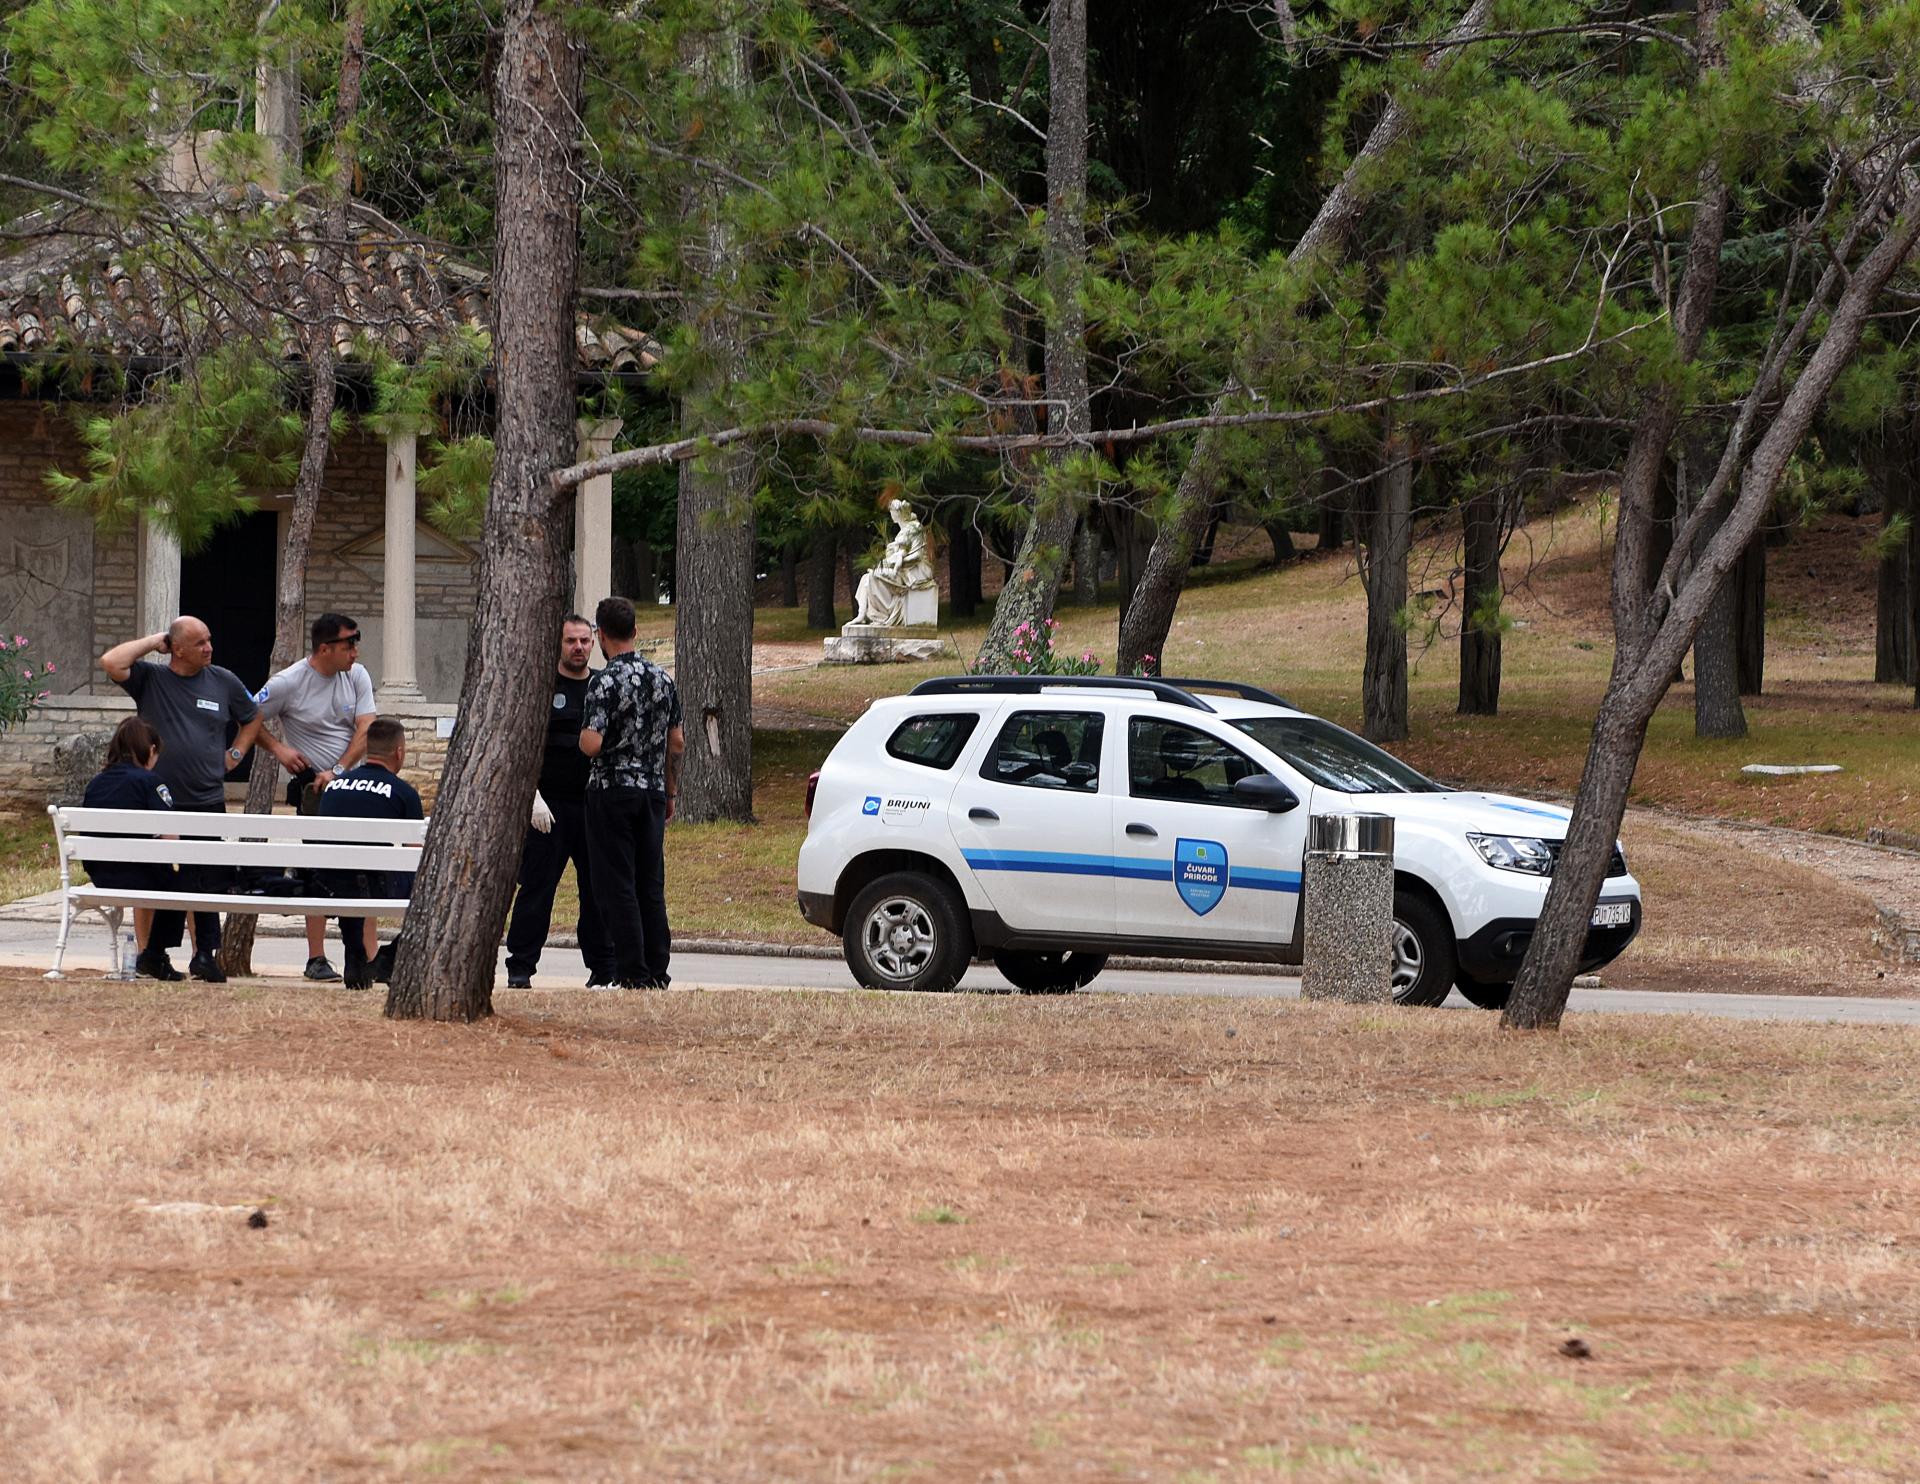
{"x": 191, "y": 713}
{"x": 315, "y": 713}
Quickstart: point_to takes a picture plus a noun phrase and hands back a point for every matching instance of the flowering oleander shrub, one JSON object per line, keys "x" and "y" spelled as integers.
{"x": 20, "y": 682}
{"x": 1033, "y": 653}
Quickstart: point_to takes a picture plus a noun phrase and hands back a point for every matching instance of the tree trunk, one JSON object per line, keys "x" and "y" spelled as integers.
{"x": 1030, "y": 593}
{"x": 1893, "y": 632}
{"x": 444, "y": 965}
{"x": 1383, "y": 685}
{"x": 790, "y": 575}
{"x": 1716, "y": 679}
{"x": 1333, "y": 520}
{"x": 1642, "y": 668}
{"x": 1086, "y": 560}
{"x": 713, "y": 619}
{"x": 1282, "y": 539}
{"x": 820, "y": 579}
{"x": 963, "y": 563}
{"x": 1480, "y": 598}
{"x": 290, "y": 632}
{"x": 1750, "y": 617}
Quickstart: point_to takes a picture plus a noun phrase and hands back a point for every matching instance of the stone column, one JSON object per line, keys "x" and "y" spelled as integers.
{"x": 593, "y": 518}
{"x": 399, "y": 666}
{"x": 159, "y": 578}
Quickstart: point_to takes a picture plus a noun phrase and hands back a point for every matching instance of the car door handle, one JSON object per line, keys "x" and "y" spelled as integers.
{"x": 1144, "y": 831}
{"x": 978, "y": 813}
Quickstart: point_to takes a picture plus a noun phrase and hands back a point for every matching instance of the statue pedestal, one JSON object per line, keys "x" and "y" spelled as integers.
{"x": 876, "y": 644}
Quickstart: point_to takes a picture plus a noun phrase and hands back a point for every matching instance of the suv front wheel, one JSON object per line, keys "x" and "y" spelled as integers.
{"x": 1423, "y": 955}
{"x": 905, "y": 931}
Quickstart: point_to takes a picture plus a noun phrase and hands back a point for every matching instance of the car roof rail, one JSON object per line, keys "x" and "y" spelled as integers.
{"x": 962, "y": 685}
{"x": 1234, "y": 687}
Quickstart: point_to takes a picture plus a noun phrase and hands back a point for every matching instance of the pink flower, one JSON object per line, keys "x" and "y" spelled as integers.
{"x": 50, "y": 667}
{"x": 19, "y": 641}
{"x": 1087, "y": 657}
{"x": 27, "y": 673}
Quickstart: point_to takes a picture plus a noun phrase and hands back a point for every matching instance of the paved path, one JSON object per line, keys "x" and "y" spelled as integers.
{"x": 28, "y": 944}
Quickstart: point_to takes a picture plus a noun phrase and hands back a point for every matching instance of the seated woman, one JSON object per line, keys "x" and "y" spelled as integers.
{"x": 127, "y": 782}
{"x": 881, "y": 597}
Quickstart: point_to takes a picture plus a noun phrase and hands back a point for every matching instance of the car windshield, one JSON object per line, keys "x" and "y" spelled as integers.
{"x": 1334, "y": 758}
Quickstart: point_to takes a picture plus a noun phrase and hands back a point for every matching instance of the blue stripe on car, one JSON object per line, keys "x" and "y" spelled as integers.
{"x": 1131, "y": 868}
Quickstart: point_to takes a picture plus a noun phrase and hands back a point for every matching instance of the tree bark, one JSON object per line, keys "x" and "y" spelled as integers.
{"x": 1333, "y": 516}
{"x": 1642, "y": 671}
{"x": 1086, "y": 560}
{"x": 963, "y": 563}
{"x": 1383, "y": 684}
{"x": 790, "y": 574}
{"x": 1480, "y": 597}
{"x": 1750, "y": 613}
{"x": 713, "y": 617}
{"x": 444, "y": 964}
{"x": 1893, "y": 632}
{"x": 820, "y": 574}
{"x": 1150, "y": 616}
{"x": 290, "y": 596}
{"x": 1716, "y": 680}
{"x": 1030, "y": 593}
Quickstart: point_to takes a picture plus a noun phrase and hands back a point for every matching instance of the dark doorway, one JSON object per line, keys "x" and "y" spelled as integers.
{"x": 230, "y": 585}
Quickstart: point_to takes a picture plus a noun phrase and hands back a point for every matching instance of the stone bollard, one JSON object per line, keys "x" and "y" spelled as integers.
{"x": 1347, "y": 894}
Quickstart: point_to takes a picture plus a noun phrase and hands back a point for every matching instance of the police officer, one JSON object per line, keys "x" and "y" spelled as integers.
{"x": 632, "y": 733}
{"x": 374, "y": 790}
{"x": 560, "y": 836}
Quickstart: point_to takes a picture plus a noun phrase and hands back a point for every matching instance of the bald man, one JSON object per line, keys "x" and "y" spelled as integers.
{"x": 190, "y": 701}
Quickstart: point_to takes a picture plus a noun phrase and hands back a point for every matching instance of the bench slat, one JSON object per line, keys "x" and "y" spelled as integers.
{"x": 298, "y": 827}
{"x": 187, "y": 901}
{"x": 288, "y": 853}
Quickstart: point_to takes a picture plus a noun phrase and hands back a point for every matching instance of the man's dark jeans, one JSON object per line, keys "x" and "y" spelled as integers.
{"x": 170, "y": 927}
{"x": 543, "y": 861}
{"x": 626, "y": 835}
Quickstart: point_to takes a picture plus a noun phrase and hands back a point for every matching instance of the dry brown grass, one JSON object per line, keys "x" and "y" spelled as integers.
{"x": 717, "y": 1236}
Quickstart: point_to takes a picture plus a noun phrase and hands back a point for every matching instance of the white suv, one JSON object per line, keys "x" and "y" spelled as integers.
{"x": 1046, "y": 822}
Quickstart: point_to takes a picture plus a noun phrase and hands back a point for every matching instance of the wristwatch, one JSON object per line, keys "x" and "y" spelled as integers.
{"x": 235, "y": 753}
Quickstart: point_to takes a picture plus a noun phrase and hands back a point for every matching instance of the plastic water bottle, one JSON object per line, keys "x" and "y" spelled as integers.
{"x": 128, "y": 952}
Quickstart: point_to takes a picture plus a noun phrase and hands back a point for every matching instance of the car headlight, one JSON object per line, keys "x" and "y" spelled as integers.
{"x": 1514, "y": 853}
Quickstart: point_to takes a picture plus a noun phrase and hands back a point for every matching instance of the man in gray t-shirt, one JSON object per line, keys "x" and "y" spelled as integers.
{"x": 319, "y": 709}
{"x": 190, "y": 702}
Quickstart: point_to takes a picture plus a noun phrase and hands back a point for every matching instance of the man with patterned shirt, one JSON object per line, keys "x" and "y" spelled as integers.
{"x": 630, "y": 732}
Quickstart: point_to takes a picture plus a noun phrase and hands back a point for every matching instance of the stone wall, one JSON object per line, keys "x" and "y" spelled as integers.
{"x": 75, "y": 590}
{"x": 33, "y": 756}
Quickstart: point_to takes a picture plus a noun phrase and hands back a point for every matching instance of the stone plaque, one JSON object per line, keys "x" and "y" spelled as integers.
{"x": 46, "y": 590}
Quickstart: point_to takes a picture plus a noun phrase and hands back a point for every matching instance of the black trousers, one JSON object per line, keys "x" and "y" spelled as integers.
{"x": 543, "y": 861}
{"x": 626, "y": 837}
{"x": 169, "y": 928}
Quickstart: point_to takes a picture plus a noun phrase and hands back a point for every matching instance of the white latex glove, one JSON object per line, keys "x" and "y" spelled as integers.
{"x": 542, "y": 815}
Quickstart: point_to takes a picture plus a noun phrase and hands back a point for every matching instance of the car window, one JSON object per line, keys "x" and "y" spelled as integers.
{"x": 1166, "y": 760}
{"x": 1334, "y": 758}
{"x": 932, "y": 741}
{"x": 1048, "y": 749}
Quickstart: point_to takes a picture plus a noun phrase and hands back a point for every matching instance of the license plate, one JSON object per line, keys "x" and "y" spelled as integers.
{"x": 1613, "y": 914}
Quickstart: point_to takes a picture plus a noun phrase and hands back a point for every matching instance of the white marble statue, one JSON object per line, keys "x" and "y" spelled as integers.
{"x": 906, "y": 568}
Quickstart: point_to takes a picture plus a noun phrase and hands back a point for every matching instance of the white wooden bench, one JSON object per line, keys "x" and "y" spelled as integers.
{"x": 283, "y": 842}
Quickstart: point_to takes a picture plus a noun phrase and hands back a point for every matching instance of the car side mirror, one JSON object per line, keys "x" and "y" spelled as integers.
{"x": 1264, "y": 791}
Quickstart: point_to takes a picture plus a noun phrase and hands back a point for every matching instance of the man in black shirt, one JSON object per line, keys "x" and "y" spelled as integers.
{"x": 632, "y": 733}
{"x": 549, "y": 846}
{"x": 190, "y": 701}
{"x": 374, "y": 790}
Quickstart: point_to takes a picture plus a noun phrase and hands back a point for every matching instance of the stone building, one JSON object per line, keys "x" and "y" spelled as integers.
{"x": 71, "y": 297}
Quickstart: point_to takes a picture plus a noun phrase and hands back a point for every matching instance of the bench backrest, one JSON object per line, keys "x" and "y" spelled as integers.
{"x": 271, "y": 840}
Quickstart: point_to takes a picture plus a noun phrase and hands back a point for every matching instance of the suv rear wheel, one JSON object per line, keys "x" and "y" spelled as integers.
{"x": 1423, "y": 955}
{"x": 1048, "y": 973}
{"x": 906, "y": 931}
{"x": 1480, "y": 992}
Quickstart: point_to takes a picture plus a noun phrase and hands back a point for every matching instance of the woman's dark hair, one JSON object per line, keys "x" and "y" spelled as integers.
{"x": 133, "y": 742}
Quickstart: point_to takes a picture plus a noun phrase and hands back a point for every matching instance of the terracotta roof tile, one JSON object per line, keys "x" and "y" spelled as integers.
{"x": 75, "y": 284}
